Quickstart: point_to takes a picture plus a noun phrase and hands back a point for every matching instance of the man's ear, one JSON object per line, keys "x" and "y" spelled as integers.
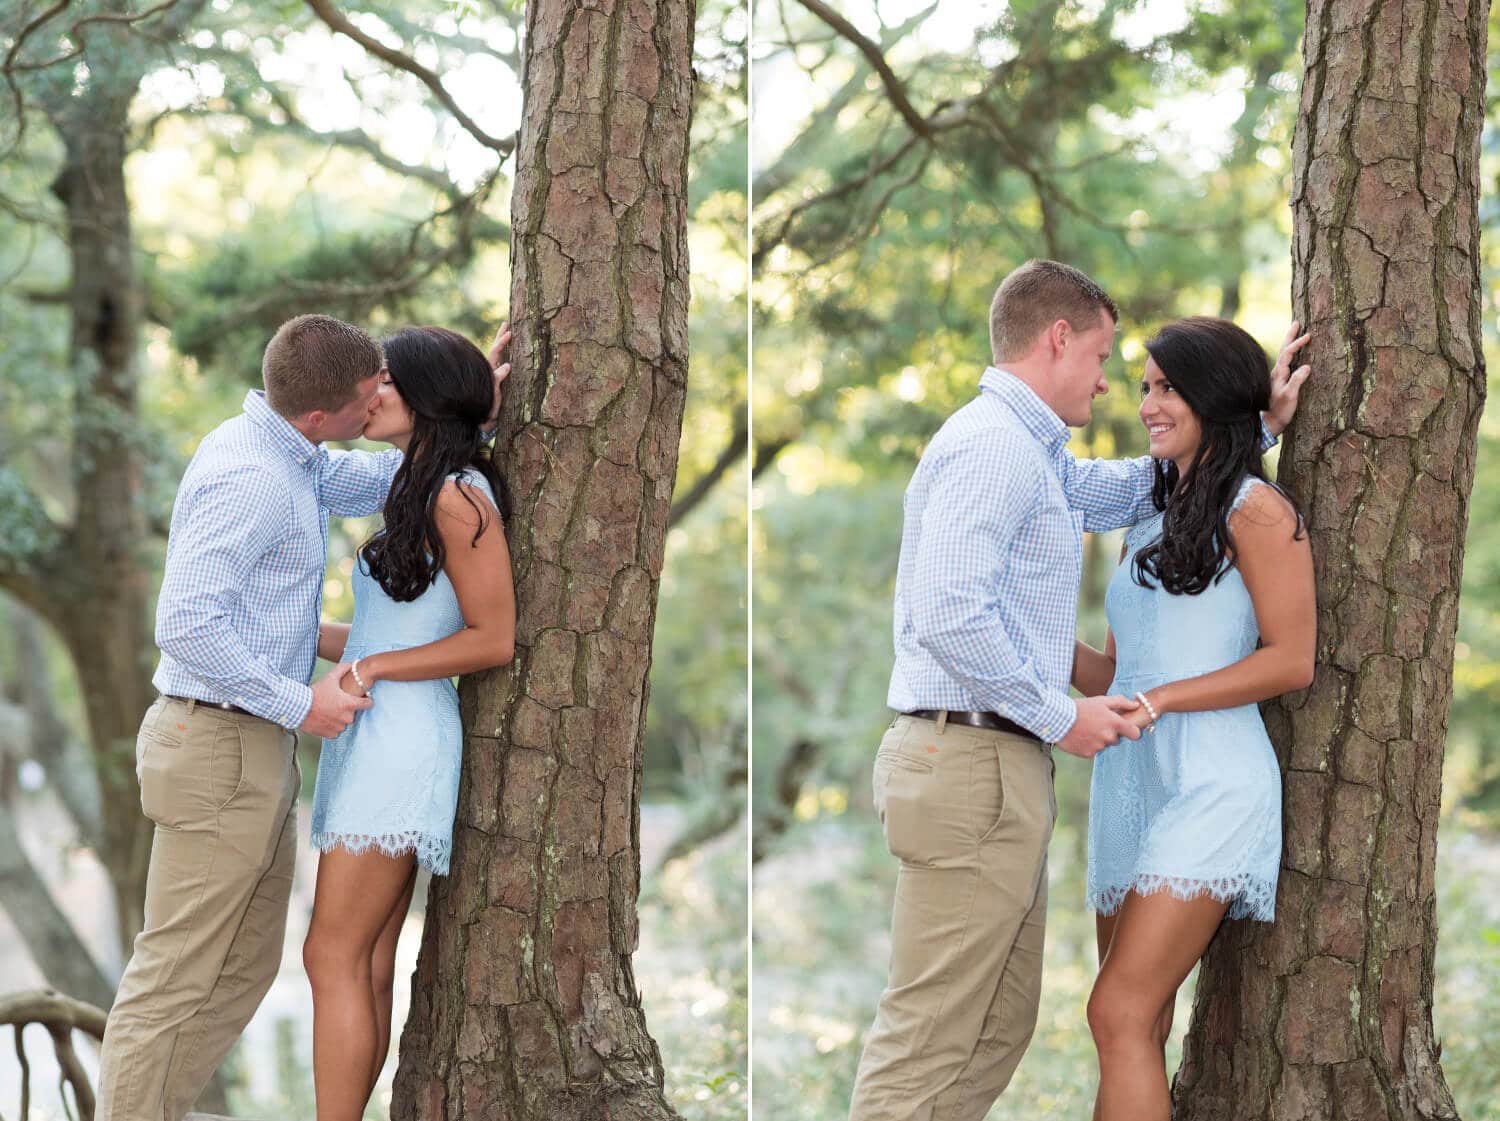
{"x": 1059, "y": 335}
{"x": 315, "y": 419}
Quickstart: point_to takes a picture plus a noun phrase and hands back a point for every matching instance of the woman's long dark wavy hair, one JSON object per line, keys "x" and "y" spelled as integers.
{"x": 448, "y": 385}
{"x": 1222, "y": 374}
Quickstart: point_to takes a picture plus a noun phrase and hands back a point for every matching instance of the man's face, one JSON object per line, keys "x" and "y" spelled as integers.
{"x": 1078, "y": 369}
{"x": 349, "y": 421}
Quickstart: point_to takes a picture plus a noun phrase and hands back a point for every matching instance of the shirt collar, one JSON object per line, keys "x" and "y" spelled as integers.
{"x": 297, "y": 447}
{"x": 1044, "y": 425}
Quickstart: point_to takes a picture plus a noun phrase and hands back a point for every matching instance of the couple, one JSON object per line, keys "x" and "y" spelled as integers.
{"x": 1211, "y": 611}
{"x": 237, "y": 624}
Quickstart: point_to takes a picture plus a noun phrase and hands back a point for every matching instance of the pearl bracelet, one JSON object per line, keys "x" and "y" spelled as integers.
{"x": 1151, "y": 727}
{"x": 354, "y": 669}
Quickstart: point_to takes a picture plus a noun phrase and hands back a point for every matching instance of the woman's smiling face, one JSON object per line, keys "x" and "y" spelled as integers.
{"x": 1173, "y": 427}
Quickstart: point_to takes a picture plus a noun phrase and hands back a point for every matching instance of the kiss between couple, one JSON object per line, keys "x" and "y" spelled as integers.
{"x": 1210, "y": 611}
{"x": 237, "y": 624}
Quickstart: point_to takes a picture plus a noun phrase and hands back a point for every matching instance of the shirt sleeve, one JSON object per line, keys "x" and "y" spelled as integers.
{"x": 354, "y": 484}
{"x": 1110, "y": 493}
{"x": 977, "y": 502}
{"x": 231, "y": 519}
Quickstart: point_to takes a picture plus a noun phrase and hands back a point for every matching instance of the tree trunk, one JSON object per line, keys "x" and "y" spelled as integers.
{"x": 524, "y": 1005}
{"x": 1327, "y": 1014}
{"x": 99, "y": 591}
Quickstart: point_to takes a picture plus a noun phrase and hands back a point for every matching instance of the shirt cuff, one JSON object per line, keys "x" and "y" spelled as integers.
{"x": 1054, "y": 719}
{"x": 1267, "y": 441}
{"x": 290, "y": 704}
{"x": 487, "y": 435}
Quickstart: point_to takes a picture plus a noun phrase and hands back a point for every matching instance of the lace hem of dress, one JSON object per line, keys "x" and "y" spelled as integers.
{"x": 432, "y": 852}
{"x": 1249, "y": 897}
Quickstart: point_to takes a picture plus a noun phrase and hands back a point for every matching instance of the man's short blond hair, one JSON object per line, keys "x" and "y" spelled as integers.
{"x": 316, "y": 362}
{"x": 1037, "y": 295}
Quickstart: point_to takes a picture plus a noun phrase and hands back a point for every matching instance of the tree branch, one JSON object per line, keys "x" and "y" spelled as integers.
{"x": 784, "y": 169}
{"x": 876, "y": 58}
{"x": 733, "y": 454}
{"x": 118, "y": 18}
{"x": 341, "y": 24}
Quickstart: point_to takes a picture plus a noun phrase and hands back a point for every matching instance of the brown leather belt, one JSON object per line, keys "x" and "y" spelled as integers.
{"x": 226, "y": 707}
{"x": 989, "y": 720}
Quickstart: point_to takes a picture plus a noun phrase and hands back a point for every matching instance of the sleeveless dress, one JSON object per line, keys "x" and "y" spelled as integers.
{"x": 390, "y": 780}
{"x": 1195, "y": 807}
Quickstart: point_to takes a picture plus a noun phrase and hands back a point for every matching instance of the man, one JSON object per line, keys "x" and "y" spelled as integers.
{"x": 986, "y": 598}
{"x": 237, "y": 624}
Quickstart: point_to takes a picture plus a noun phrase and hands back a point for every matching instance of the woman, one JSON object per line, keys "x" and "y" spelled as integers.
{"x": 1212, "y": 609}
{"x": 433, "y": 599}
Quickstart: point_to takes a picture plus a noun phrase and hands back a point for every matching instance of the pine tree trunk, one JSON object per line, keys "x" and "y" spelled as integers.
{"x": 524, "y": 1007}
{"x": 1327, "y": 1015}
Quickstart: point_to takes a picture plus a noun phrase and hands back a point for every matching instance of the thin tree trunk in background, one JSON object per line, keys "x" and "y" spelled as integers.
{"x": 99, "y": 593}
{"x": 524, "y": 1007}
{"x": 1327, "y": 1014}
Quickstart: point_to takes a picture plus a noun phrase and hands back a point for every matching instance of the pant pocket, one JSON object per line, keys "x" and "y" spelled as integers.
{"x": 900, "y": 790}
{"x": 986, "y": 790}
{"x": 226, "y": 768}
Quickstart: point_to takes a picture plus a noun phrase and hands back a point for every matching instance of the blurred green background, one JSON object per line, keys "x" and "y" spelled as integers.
{"x": 276, "y": 169}
{"x": 1148, "y": 143}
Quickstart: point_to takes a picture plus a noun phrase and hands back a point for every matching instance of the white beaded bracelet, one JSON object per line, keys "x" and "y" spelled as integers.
{"x": 354, "y": 669}
{"x": 1151, "y": 727}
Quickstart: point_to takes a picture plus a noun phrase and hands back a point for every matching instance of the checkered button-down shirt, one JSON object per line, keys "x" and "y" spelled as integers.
{"x": 992, "y": 554}
{"x": 237, "y": 618}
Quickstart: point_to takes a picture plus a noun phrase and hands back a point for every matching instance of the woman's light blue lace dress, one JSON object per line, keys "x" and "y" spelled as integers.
{"x": 390, "y": 780}
{"x": 1195, "y": 807}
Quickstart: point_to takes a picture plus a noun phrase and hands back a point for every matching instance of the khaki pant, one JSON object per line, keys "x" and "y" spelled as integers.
{"x": 222, "y": 790}
{"x": 969, "y": 813}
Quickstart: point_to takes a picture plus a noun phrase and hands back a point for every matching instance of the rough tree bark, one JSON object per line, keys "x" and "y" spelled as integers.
{"x": 1327, "y": 1014}
{"x": 524, "y": 1005}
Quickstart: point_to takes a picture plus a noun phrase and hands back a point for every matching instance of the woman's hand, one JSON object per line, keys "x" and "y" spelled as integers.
{"x": 1141, "y": 716}
{"x": 1286, "y": 383}
{"x": 349, "y": 685}
{"x": 501, "y": 370}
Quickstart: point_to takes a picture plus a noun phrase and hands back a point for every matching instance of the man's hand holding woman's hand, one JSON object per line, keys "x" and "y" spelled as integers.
{"x": 333, "y": 707}
{"x": 1102, "y": 722}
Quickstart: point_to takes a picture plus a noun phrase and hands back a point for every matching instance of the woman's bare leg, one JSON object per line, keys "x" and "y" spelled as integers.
{"x": 1104, "y": 933}
{"x": 351, "y": 907}
{"x": 383, "y": 975}
{"x": 1156, "y": 941}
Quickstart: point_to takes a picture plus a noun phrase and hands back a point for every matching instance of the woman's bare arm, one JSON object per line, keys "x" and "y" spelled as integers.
{"x": 332, "y": 638}
{"x": 1278, "y": 572}
{"x": 1094, "y": 670}
{"x": 481, "y": 577}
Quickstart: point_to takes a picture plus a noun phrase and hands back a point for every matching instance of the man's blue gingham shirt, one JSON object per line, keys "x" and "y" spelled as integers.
{"x": 237, "y": 618}
{"x": 992, "y": 556}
